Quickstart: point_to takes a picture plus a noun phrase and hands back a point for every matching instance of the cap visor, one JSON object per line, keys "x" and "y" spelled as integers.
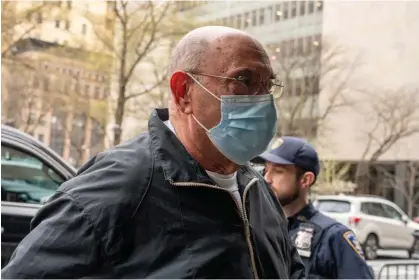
{"x": 275, "y": 159}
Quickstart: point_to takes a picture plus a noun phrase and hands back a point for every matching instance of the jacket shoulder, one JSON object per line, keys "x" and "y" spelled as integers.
{"x": 111, "y": 185}
{"x": 323, "y": 221}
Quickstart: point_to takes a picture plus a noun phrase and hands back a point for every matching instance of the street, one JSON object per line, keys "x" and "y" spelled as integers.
{"x": 406, "y": 268}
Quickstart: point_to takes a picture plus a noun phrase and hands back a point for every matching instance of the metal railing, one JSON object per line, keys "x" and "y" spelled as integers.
{"x": 399, "y": 270}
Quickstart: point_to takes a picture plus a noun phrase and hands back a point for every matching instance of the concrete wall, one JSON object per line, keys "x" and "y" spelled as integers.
{"x": 385, "y": 37}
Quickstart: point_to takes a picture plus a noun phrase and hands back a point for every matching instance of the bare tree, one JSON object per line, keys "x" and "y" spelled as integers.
{"x": 333, "y": 178}
{"x": 306, "y": 73}
{"x": 141, "y": 29}
{"x": 406, "y": 184}
{"x": 394, "y": 116}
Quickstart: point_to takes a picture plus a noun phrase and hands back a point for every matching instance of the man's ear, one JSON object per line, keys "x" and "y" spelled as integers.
{"x": 307, "y": 179}
{"x": 180, "y": 92}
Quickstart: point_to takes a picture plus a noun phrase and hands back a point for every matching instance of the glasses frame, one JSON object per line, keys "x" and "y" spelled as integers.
{"x": 275, "y": 95}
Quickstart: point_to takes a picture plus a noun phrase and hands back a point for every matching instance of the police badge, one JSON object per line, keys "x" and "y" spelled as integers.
{"x": 303, "y": 241}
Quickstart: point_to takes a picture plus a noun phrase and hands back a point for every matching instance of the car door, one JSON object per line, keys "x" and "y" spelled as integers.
{"x": 28, "y": 178}
{"x": 377, "y": 222}
{"x": 401, "y": 234}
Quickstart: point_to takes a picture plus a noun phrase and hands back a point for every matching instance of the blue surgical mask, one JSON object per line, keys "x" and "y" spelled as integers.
{"x": 248, "y": 124}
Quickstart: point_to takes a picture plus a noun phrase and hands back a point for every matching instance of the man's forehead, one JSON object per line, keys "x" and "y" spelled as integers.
{"x": 237, "y": 51}
{"x": 277, "y": 165}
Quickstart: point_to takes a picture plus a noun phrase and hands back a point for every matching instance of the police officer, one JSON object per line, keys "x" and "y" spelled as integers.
{"x": 328, "y": 248}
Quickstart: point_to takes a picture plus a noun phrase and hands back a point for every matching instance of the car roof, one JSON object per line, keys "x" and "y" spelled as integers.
{"x": 352, "y": 198}
{"x": 11, "y": 134}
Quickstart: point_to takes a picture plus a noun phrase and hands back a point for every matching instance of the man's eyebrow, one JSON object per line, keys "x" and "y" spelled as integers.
{"x": 244, "y": 71}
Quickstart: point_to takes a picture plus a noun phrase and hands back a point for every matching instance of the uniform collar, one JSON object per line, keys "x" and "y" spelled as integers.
{"x": 303, "y": 215}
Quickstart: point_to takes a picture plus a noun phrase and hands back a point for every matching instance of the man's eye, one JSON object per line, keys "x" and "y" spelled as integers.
{"x": 245, "y": 80}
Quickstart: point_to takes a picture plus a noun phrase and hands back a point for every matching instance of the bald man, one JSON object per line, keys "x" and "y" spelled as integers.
{"x": 179, "y": 201}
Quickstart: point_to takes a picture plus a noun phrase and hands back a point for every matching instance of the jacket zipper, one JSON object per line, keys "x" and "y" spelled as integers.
{"x": 242, "y": 211}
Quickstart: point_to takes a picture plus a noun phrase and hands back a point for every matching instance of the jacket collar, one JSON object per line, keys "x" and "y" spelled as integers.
{"x": 306, "y": 213}
{"x": 177, "y": 164}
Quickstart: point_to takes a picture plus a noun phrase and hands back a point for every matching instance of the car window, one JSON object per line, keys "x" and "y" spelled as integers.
{"x": 333, "y": 206}
{"x": 391, "y": 212}
{"x": 25, "y": 178}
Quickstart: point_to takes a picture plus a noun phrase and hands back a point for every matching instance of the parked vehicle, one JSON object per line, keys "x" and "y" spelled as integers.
{"x": 30, "y": 173}
{"x": 377, "y": 222}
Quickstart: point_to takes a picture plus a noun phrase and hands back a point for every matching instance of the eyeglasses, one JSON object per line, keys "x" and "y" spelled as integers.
{"x": 273, "y": 86}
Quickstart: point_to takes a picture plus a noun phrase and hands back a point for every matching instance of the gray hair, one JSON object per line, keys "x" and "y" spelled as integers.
{"x": 188, "y": 55}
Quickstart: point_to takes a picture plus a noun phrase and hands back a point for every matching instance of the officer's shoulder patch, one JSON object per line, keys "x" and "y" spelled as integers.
{"x": 350, "y": 237}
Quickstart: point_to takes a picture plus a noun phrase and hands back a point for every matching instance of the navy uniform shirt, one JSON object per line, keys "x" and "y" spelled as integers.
{"x": 328, "y": 248}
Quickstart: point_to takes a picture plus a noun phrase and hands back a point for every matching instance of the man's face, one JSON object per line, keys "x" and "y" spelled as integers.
{"x": 284, "y": 182}
{"x": 229, "y": 56}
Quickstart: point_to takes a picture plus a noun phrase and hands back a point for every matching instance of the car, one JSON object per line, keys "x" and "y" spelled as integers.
{"x": 377, "y": 222}
{"x": 31, "y": 172}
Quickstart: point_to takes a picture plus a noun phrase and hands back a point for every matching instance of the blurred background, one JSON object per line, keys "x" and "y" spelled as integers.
{"x": 82, "y": 76}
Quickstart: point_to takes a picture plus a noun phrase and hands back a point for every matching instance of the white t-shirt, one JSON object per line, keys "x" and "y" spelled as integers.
{"x": 228, "y": 182}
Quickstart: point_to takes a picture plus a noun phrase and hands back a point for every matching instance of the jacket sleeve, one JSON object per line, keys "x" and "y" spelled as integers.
{"x": 61, "y": 244}
{"x": 349, "y": 261}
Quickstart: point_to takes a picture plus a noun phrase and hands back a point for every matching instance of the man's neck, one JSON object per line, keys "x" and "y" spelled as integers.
{"x": 295, "y": 206}
{"x": 210, "y": 161}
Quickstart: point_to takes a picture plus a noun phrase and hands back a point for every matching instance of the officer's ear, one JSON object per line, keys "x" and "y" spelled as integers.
{"x": 307, "y": 179}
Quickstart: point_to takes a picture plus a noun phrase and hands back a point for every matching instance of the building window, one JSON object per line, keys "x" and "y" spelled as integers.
{"x": 231, "y": 21}
{"x": 309, "y": 45}
{"x": 291, "y": 45}
{"x": 97, "y": 92}
{"x": 77, "y": 87}
{"x": 107, "y": 93}
{"x": 83, "y": 29}
{"x": 319, "y": 5}
{"x": 67, "y": 25}
{"x": 46, "y": 84}
{"x": 247, "y": 20}
{"x": 300, "y": 46}
{"x": 69, "y": 4}
{"x": 39, "y": 18}
{"x": 254, "y": 18}
{"x": 270, "y": 13}
{"x": 57, "y": 23}
{"x": 239, "y": 22}
{"x": 87, "y": 90}
{"x": 302, "y": 8}
{"x": 32, "y": 118}
{"x": 293, "y": 9}
{"x": 278, "y": 13}
{"x": 285, "y": 11}
{"x": 310, "y": 7}
{"x": 261, "y": 16}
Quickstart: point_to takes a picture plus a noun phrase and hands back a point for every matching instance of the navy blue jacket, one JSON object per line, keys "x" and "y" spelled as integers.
{"x": 147, "y": 209}
{"x": 328, "y": 248}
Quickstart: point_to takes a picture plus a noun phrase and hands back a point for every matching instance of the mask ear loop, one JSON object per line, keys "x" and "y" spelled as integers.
{"x": 201, "y": 85}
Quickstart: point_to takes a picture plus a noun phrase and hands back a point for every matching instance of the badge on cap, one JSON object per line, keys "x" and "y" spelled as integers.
{"x": 353, "y": 242}
{"x": 303, "y": 241}
{"x": 277, "y": 143}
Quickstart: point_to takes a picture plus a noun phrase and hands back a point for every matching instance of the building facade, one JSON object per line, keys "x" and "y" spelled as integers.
{"x": 56, "y": 73}
{"x": 58, "y": 96}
